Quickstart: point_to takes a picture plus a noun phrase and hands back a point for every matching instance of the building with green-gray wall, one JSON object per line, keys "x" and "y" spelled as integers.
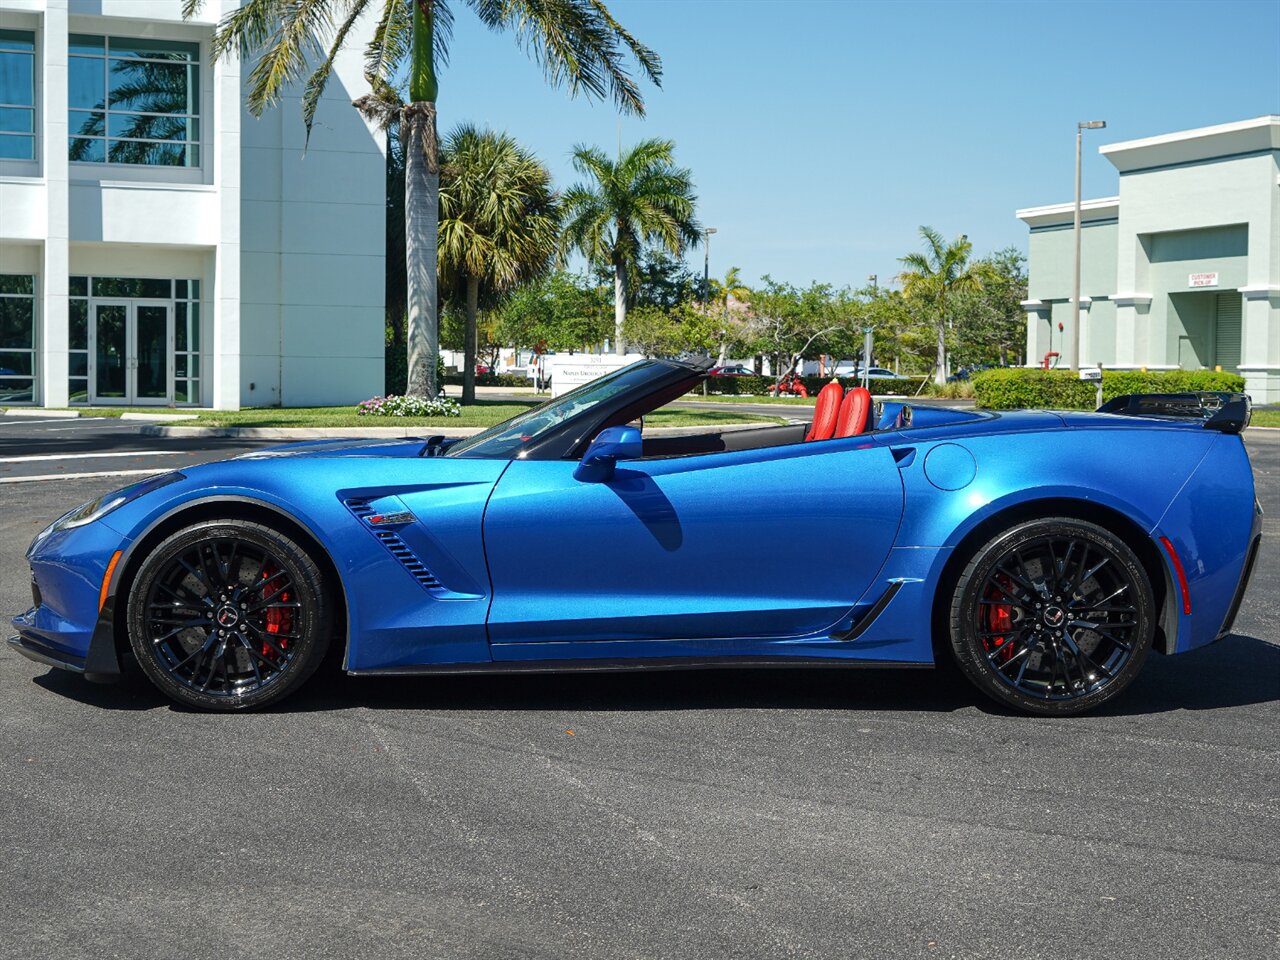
{"x": 1180, "y": 270}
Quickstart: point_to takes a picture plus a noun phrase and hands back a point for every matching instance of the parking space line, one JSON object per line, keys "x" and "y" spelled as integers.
{"x": 91, "y": 456}
{"x": 80, "y": 476}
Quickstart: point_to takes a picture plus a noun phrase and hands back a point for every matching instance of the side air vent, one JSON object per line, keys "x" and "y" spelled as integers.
{"x": 362, "y": 509}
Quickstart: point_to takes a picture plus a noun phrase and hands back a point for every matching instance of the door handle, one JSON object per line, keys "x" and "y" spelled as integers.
{"x": 903, "y": 456}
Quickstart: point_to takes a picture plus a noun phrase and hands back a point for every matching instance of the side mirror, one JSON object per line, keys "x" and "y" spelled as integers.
{"x": 613, "y": 444}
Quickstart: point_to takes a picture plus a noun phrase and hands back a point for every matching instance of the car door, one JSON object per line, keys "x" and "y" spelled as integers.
{"x": 748, "y": 544}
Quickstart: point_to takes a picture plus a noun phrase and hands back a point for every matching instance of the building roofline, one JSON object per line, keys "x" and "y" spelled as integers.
{"x": 1203, "y": 143}
{"x": 1102, "y": 208}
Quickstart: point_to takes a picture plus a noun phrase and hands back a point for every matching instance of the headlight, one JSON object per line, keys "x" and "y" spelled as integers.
{"x": 99, "y": 507}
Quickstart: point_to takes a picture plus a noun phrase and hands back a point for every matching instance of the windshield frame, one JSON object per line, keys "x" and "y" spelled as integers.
{"x": 558, "y": 440}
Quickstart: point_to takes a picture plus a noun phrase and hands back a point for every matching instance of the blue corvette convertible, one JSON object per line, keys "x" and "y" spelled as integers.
{"x": 1045, "y": 553}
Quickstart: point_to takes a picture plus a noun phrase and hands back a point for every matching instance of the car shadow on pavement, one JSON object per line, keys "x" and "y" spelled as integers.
{"x": 1237, "y": 671}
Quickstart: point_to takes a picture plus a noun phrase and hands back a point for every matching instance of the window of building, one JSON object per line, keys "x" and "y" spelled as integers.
{"x": 17, "y": 95}
{"x": 17, "y": 338}
{"x": 134, "y": 101}
{"x": 186, "y": 341}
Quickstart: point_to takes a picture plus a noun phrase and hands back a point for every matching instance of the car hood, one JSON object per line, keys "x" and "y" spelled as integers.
{"x": 399, "y": 447}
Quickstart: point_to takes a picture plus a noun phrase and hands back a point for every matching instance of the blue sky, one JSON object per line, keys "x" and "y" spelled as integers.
{"x": 822, "y": 134}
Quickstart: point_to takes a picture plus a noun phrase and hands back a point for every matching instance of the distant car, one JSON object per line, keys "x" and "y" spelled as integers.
{"x": 852, "y": 371}
{"x": 733, "y": 370}
{"x": 965, "y": 373}
{"x": 1046, "y": 553}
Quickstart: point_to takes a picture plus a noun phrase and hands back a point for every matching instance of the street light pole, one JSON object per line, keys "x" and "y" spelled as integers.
{"x": 706, "y": 265}
{"x": 867, "y": 336}
{"x": 1075, "y": 276}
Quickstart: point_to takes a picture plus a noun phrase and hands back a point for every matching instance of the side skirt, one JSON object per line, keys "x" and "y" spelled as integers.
{"x": 619, "y": 666}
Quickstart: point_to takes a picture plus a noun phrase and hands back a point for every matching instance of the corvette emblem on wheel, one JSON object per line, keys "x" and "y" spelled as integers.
{"x": 1046, "y": 553}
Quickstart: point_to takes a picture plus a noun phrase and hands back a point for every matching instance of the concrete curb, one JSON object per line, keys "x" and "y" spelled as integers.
{"x": 390, "y": 433}
{"x": 40, "y": 412}
{"x": 167, "y": 417}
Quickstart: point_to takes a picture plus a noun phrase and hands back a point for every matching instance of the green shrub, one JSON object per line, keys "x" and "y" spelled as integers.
{"x": 492, "y": 380}
{"x": 1015, "y": 389}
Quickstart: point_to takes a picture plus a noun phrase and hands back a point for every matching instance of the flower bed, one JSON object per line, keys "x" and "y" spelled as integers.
{"x": 394, "y": 406}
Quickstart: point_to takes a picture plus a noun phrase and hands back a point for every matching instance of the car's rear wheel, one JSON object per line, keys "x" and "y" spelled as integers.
{"x": 229, "y": 615}
{"x": 1053, "y": 617}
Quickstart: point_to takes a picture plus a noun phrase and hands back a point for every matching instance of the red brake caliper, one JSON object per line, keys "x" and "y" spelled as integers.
{"x": 279, "y": 619}
{"x": 999, "y": 618}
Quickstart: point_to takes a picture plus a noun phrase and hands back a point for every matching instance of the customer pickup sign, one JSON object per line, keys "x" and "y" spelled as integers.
{"x": 1202, "y": 280}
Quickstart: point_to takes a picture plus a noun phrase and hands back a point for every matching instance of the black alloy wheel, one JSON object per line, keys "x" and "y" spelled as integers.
{"x": 228, "y": 615}
{"x": 1053, "y": 617}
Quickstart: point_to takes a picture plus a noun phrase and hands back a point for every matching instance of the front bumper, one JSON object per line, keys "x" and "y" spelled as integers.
{"x": 32, "y": 649}
{"x": 65, "y": 627}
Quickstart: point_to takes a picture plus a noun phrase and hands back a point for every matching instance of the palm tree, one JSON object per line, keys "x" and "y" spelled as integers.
{"x": 722, "y": 291}
{"x": 933, "y": 276}
{"x": 641, "y": 198}
{"x": 578, "y": 44}
{"x": 498, "y": 222}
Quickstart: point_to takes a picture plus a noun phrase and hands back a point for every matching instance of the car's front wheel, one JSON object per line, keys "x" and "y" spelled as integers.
{"x": 1053, "y": 617}
{"x": 228, "y": 615}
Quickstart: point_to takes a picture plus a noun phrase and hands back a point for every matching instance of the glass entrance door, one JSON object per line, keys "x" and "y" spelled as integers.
{"x": 132, "y": 349}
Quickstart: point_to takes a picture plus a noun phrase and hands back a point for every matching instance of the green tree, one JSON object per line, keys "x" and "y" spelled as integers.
{"x": 578, "y": 44}
{"x": 932, "y": 278}
{"x": 559, "y": 311}
{"x": 788, "y": 322}
{"x": 679, "y": 330}
{"x": 990, "y": 325}
{"x": 499, "y": 222}
{"x": 723, "y": 293}
{"x": 640, "y": 199}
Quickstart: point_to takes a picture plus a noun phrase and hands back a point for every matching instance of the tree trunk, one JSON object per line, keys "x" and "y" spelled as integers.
{"x": 421, "y": 225}
{"x": 469, "y": 341}
{"x": 619, "y": 308}
{"x": 421, "y": 205}
{"x": 940, "y": 370}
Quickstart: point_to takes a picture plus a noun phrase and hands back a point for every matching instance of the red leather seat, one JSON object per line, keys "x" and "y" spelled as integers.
{"x": 825, "y": 413}
{"x": 852, "y": 419}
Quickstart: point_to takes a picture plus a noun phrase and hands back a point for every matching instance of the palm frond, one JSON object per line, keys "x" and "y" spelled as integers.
{"x": 319, "y": 79}
{"x": 391, "y": 41}
{"x": 577, "y": 44}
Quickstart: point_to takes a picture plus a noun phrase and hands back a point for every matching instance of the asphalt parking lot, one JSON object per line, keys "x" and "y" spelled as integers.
{"x": 684, "y": 815}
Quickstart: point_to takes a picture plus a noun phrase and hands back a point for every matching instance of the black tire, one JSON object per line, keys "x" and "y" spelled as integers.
{"x": 229, "y": 615}
{"x": 1052, "y": 617}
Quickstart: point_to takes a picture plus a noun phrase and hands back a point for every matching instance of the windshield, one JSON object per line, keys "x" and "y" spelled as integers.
{"x": 508, "y": 438}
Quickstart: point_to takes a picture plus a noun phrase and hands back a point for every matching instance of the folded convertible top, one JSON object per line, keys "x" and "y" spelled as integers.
{"x": 1227, "y": 412}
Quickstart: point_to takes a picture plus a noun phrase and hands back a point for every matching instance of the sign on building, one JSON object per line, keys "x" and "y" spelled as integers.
{"x": 1202, "y": 280}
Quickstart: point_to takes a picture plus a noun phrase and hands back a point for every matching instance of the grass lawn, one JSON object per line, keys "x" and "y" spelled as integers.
{"x": 483, "y": 413}
{"x": 1265, "y": 418}
{"x": 737, "y": 398}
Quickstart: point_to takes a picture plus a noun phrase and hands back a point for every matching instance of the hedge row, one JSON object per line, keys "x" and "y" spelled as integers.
{"x": 491, "y": 380}
{"x": 1015, "y": 389}
{"x": 760, "y": 386}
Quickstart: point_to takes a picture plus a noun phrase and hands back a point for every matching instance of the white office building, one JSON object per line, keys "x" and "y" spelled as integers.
{"x": 159, "y": 245}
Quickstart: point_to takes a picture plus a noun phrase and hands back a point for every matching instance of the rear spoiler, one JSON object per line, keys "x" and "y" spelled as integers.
{"x": 1227, "y": 412}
